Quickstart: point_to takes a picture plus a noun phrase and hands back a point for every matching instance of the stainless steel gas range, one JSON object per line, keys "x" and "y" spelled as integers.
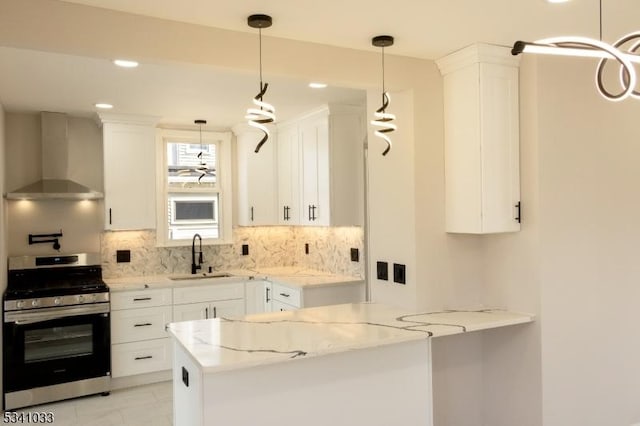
{"x": 56, "y": 331}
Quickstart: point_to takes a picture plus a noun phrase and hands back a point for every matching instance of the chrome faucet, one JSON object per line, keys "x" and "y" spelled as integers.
{"x": 195, "y": 267}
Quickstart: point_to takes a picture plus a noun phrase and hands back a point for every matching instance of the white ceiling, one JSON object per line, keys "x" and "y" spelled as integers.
{"x": 423, "y": 28}
{"x": 41, "y": 81}
{"x": 37, "y": 81}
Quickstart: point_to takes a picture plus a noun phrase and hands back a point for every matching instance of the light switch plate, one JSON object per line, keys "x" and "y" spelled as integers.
{"x": 382, "y": 269}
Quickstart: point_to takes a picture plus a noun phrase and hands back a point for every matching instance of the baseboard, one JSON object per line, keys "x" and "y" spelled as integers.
{"x": 141, "y": 379}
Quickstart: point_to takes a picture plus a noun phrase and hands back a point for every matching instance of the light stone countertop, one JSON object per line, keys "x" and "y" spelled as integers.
{"x": 224, "y": 344}
{"x": 287, "y": 275}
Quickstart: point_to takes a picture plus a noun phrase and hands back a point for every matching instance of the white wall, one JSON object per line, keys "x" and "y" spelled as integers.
{"x": 3, "y": 218}
{"x": 589, "y": 151}
{"x": 575, "y": 261}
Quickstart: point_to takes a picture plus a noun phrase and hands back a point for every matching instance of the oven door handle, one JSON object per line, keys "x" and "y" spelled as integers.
{"x": 48, "y": 314}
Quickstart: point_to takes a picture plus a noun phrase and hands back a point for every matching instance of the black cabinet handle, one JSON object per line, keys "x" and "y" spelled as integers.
{"x": 268, "y": 290}
{"x": 310, "y": 213}
{"x": 251, "y": 214}
{"x": 313, "y": 212}
{"x": 284, "y": 295}
{"x": 138, "y": 358}
{"x": 110, "y": 216}
{"x": 146, "y": 324}
{"x": 518, "y": 217}
{"x": 206, "y": 313}
{"x": 140, "y": 299}
{"x": 215, "y": 312}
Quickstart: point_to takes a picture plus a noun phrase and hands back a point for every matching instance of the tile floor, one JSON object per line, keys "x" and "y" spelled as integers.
{"x": 149, "y": 405}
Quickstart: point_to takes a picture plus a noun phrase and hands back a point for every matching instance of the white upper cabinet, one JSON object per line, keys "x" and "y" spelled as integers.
{"x": 256, "y": 177}
{"x": 320, "y": 168}
{"x": 288, "y": 152}
{"x": 481, "y": 125}
{"x": 129, "y": 171}
{"x": 315, "y": 180}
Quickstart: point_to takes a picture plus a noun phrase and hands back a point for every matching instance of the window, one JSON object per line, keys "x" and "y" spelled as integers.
{"x": 194, "y": 179}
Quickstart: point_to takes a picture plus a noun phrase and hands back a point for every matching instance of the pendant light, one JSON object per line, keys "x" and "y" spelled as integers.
{"x": 383, "y": 119}
{"x": 262, "y": 113}
{"x": 202, "y": 167}
{"x": 592, "y": 48}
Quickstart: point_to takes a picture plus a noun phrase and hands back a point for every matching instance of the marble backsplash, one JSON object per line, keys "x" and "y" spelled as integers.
{"x": 329, "y": 250}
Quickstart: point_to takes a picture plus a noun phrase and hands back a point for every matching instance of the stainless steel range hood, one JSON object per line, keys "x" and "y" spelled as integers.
{"x": 55, "y": 184}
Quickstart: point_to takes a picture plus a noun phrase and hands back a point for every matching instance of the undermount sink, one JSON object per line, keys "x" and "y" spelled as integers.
{"x": 200, "y": 276}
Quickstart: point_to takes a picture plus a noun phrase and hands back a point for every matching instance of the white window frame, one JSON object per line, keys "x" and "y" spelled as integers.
{"x": 224, "y": 176}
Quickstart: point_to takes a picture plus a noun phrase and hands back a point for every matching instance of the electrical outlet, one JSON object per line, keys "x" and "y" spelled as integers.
{"x": 382, "y": 269}
{"x": 123, "y": 256}
{"x": 355, "y": 255}
{"x": 245, "y": 249}
{"x": 399, "y": 274}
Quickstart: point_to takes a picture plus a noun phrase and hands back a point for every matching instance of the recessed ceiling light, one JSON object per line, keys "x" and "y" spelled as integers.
{"x": 317, "y": 85}
{"x": 124, "y": 63}
{"x": 104, "y": 106}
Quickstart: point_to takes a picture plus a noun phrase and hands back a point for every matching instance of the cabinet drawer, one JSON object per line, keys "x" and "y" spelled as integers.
{"x": 128, "y": 359}
{"x": 205, "y": 293}
{"x": 132, "y": 325}
{"x": 288, "y": 295}
{"x": 277, "y": 306}
{"x": 140, "y": 298}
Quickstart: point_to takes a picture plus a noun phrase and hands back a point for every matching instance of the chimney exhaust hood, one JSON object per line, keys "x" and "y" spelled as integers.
{"x": 55, "y": 184}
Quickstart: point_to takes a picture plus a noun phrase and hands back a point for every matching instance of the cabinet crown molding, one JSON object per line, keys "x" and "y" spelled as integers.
{"x": 475, "y": 54}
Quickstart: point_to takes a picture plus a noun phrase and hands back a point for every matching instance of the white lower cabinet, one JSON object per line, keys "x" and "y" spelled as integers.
{"x": 148, "y": 356}
{"x": 258, "y": 297}
{"x": 139, "y": 342}
{"x": 208, "y": 301}
{"x": 289, "y": 297}
{"x": 208, "y": 310}
{"x": 286, "y": 298}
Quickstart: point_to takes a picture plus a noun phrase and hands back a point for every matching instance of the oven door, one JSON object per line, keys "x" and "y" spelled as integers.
{"x": 56, "y": 345}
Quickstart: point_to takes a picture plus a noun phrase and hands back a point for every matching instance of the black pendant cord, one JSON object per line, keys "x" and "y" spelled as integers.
{"x": 260, "y": 60}
{"x": 600, "y": 20}
{"x": 383, "y": 87}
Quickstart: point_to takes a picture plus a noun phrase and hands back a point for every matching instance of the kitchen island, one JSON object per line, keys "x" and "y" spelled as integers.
{"x": 346, "y": 364}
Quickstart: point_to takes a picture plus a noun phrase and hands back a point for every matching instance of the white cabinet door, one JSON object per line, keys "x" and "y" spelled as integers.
{"x": 208, "y": 292}
{"x": 314, "y": 144}
{"x": 190, "y": 312}
{"x": 226, "y": 309}
{"x": 481, "y": 124}
{"x": 258, "y": 297}
{"x": 256, "y": 174}
{"x": 288, "y": 176}
{"x": 129, "y": 175}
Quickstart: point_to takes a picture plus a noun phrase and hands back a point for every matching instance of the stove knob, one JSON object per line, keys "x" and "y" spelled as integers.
{"x": 94, "y": 298}
{"x": 34, "y": 302}
{"x": 57, "y": 301}
{"x": 20, "y": 304}
{"x": 80, "y": 299}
